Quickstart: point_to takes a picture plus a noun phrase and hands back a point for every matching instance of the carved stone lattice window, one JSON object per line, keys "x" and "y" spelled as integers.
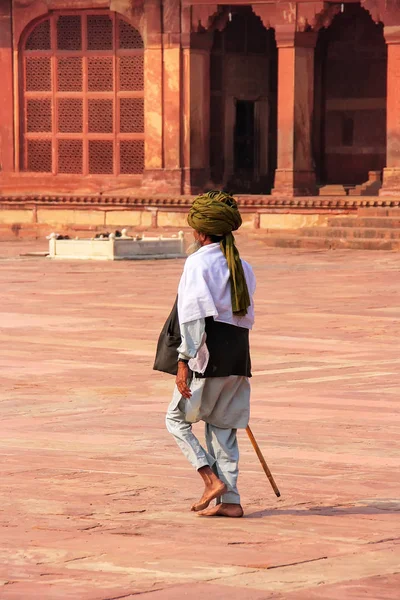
{"x": 83, "y": 95}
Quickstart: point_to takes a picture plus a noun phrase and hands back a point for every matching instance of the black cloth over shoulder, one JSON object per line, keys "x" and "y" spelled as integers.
{"x": 168, "y": 343}
{"x": 228, "y": 346}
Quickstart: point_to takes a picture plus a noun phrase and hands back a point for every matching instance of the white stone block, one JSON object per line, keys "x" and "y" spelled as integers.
{"x": 117, "y": 248}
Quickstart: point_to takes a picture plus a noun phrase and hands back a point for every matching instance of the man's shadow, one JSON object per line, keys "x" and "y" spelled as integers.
{"x": 370, "y": 507}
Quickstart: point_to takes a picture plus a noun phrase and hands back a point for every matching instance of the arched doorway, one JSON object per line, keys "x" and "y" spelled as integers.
{"x": 350, "y": 98}
{"x": 82, "y": 95}
{"x": 243, "y": 104}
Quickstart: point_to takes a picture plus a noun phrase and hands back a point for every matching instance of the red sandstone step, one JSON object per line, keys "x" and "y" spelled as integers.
{"x": 286, "y": 240}
{"x": 351, "y": 232}
{"x": 378, "y": 212}
{"x": 304, "y": 242}
{"x": 372, "y": 222}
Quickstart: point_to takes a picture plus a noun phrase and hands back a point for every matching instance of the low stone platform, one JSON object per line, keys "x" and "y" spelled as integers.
{"x": 94, "y": 494}
{"x": 123, "y": 247}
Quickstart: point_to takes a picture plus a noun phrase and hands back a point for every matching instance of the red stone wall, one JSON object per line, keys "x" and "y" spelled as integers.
{"x": 185, "y": 132}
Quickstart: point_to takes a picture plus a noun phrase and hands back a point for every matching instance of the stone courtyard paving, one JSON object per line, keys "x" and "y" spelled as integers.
{"x": 94, "y": 494}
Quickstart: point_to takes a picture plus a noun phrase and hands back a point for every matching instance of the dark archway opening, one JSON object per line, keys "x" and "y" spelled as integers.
{"x": 244, "y": 139}
{"x": 350, "y": 99}
{"x": 243, "y": 105}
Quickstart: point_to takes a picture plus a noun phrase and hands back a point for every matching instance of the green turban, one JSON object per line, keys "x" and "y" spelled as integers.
{"x": 217, "y": 213}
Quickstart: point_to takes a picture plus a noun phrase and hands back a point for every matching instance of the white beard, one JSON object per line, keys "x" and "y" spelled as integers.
{"x": 193, "y": 248}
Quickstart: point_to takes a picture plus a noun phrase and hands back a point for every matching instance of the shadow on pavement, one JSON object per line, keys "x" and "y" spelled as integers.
{"x": 373, "y": 507}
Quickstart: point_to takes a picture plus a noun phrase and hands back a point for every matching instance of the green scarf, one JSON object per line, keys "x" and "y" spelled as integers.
{"x": 217, "y": 213}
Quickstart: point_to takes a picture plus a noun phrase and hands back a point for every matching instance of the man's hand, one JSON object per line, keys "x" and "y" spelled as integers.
{"x": 181, "y": 380}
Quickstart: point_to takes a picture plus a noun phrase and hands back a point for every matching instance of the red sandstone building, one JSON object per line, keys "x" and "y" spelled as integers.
{"x": 173, "y": 96}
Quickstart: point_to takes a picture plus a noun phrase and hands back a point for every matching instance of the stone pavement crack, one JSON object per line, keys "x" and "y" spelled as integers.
{"x": 81, "y": 558}
{"x": 89, "y": 528}
{"x": 134, "y": 594}
{"x": 301, "y": 562}
{"x": 132, "y": 533}
{"x": 235, "y": 575}
{"x": 120, "y": 597}
{"x": 124, "y": 491}
{"x": 394, "y": 539}
{"x": 246, "y": 543}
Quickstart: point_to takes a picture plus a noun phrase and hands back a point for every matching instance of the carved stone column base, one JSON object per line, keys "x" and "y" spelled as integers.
{"x": 162, "y": 181}
{"x": 391, "y": 182}
{"x": 294, "y": 183}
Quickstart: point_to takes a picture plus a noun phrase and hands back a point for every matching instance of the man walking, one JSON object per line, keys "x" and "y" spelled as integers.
{"x": 216, "y": 312}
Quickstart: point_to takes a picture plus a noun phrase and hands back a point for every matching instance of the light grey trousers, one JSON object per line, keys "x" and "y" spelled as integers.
{"x": 223, "y": 452}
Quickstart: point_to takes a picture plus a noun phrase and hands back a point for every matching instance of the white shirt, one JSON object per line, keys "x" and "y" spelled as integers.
{"x": 205, "y": 291}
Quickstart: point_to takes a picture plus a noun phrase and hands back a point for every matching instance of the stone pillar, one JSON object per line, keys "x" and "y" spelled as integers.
{"x": 196, "y": 111}
{"x": 172, "y": 96}
{"x": 163, "y": 98}
{"x": 153, "y": 95}
{"x": 6, "y": 89}
{"x": 172, "y": 117}
{"x": 295, "y": 175}
{"x": 391, "y": 174}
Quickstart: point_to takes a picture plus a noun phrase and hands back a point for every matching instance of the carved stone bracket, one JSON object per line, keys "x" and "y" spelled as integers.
{"x": 383, "y": 11}
{"x": 268, "y": 13}
{"x": 374, "y": 9}
{"x": 203, "y": 16}
{"x": 303, "y": 16}
{"x": 318, "y": 19}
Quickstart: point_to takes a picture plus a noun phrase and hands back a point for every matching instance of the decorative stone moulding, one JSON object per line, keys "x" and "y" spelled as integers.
{"x": 117, "y": 248}
{"x": 166, "y": 203}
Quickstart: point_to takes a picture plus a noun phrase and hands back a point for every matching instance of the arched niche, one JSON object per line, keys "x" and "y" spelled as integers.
{"x": 81, "y": 95}
{"x": 350, "y": 98}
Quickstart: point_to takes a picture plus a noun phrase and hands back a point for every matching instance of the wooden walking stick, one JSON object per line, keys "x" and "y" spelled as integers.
{"x": 262, "y": 461}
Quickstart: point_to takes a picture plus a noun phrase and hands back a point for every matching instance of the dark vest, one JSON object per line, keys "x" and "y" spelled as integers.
{"x": 228, "y": 346}
{"x": 229, "y": 350}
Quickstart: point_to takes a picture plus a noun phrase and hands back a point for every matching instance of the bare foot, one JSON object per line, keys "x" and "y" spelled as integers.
{"x": 214, "y": 487}
{"x": 223, "y": 510}
{"x": 210, "y": 493}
